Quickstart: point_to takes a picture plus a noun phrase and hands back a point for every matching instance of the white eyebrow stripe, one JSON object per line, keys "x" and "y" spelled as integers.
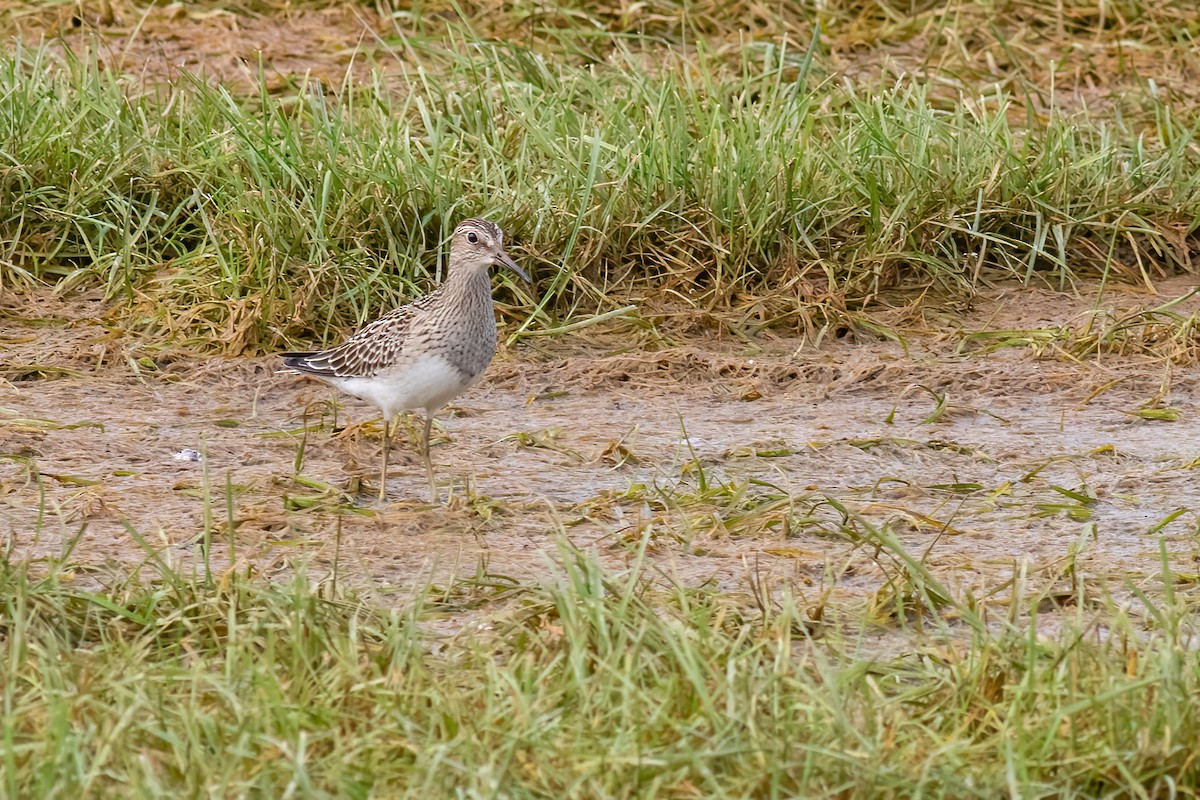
{"x": 483, "y": 227}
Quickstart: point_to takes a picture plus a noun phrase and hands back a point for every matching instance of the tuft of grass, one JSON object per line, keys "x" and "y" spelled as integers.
{"x": 590, "y": 683}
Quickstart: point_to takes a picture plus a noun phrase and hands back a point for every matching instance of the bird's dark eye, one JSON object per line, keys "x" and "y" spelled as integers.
{"x": 472, "y": 238}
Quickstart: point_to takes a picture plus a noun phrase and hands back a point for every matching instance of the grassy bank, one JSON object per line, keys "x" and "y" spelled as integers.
{"x": 744, "y": 179}
{"x": 589, "y": 684}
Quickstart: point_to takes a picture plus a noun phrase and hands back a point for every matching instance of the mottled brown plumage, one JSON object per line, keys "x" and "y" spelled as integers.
{"x": 424, "y": 354}
{"x": 373, "y": 347}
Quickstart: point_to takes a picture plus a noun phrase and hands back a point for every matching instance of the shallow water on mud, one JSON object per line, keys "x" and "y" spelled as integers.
{"x": 980, "y": 465}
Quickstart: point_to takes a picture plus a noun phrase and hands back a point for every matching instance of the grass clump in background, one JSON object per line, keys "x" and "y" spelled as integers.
{"x": 589, "y": 683}
{"x": 724, "y": 178}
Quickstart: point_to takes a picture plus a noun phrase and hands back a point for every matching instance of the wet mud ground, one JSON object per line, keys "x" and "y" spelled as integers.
{"x": 738, "y": 460}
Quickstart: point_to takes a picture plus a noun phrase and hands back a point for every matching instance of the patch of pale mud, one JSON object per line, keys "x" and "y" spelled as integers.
{"x": 227, "y": 45}
{"x": 734, "y": 460}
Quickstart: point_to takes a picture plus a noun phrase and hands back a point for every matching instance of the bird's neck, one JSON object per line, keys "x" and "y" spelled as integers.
{"x": 468, "y": 282}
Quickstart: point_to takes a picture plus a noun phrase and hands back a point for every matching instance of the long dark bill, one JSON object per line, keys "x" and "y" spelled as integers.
{"x": 504, "y": 260}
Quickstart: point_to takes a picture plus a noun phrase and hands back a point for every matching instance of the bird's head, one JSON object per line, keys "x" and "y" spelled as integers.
{"x": 478, "y": 244}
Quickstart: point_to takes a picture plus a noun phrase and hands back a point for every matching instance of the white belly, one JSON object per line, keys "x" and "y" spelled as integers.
{"x": 426, "y": 383}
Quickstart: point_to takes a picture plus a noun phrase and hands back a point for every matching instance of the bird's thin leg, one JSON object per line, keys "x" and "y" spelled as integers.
{"x": 428, "y": 460}
{"x": 387, "y": 440}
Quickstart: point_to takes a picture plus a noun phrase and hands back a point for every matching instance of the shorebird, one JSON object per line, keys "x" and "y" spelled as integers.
{"x": 424, "y": 354}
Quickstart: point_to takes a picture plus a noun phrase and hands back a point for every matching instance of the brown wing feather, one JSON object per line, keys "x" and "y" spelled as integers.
{"x": 373, "y": 347}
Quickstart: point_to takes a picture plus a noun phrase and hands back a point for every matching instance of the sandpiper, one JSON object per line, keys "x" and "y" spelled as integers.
{"x": 424, "y": 354}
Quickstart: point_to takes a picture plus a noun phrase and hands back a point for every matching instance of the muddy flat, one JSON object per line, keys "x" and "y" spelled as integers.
{"x": 987, "y": 443}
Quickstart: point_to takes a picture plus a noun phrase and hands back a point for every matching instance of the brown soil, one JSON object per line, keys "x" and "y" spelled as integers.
{"x": 558, "y": 440}
{"x": 1092, "y": 60}
{"x": 219, "y": 43}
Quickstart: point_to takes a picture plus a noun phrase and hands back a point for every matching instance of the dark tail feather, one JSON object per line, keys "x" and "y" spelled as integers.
{"x": 297, "y": 360}
{"x": 309, "y": 364}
